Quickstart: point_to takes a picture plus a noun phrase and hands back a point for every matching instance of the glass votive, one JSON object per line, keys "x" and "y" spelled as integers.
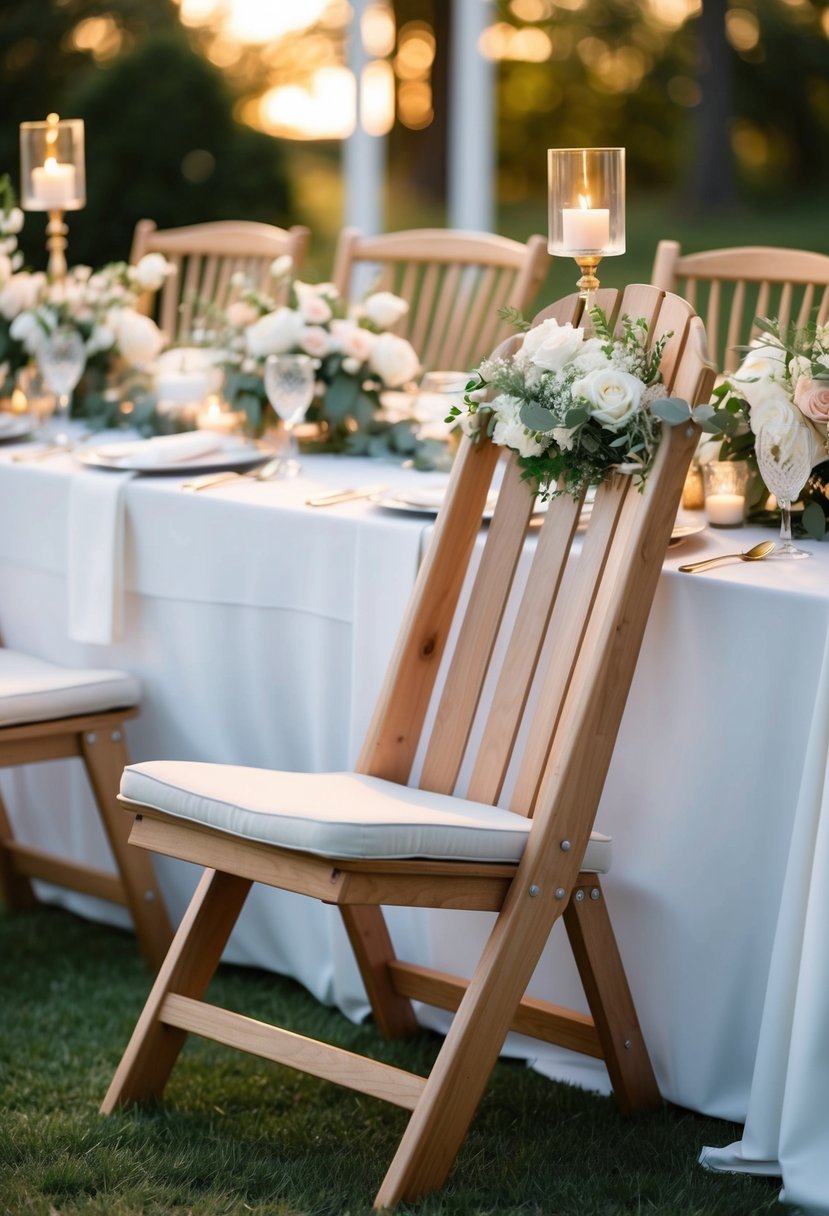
{"x": 438, "y": 392}
{"x": 725, "y": 483}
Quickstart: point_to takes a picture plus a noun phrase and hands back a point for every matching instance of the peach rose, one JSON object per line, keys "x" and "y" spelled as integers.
{"x": 812, "y": 398}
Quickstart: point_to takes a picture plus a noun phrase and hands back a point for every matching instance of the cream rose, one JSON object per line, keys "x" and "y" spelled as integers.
{"x": 384, "y": 309}
{"x": 354, "y": 341}
{"x": 812, "y": 398}
{"x": 241, "y": 314}
{"x": 393, "y": 360}
{"x": 151, "y": 271}
{"x": 315, "y": 341}
{"x": 510, "y": 431}
{"x": 768, "y": 362}
{"x": 274, "y": 334}
{"x": 21, "y": 293}
{"x": 138, "y": 338}
{"x": 612, "y": 395}
{"x": 281, "y": 266}
{"x": 550, "y": 345}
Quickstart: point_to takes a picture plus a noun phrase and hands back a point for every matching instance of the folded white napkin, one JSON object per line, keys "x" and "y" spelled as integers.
{"x": 95, "y": 570}
{"x": 167, "y": 449}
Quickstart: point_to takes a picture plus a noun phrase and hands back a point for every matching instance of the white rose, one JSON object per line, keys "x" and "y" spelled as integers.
{"x": 101, "y": 338}
{"x": 274, "y": 334}
{"x": 510, "y": 431}
{"x": 21, "y": 293}
{"x": 151, "y": 271}
{"x": 315, "y": 341}
{"x": 393, "y": 360}
{"x": 563, "y": 436}
{"x": 767, "y": 362}
{"x": 351, "y": 366}
{"x": 591, "y": 356}
{"x": 138, "y": 338}
{"x": 353, "y": 340}
{"x": 315, "y": 310}
{"x": 384, "y": 309}
{"x": 613, "y": 396}
{"x": 13, "y": 222}
{"x": 26, "y": 330}
{"x": 774, "y": 410}
{"x": 550, "y": 345}
{"x": 281, "y": 266}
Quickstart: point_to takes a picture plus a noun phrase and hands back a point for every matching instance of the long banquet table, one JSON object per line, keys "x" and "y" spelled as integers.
{"x": 261, "y": 629}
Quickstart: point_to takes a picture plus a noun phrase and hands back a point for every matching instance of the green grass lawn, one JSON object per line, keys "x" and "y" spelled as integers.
{"x": 237, "y": 1136}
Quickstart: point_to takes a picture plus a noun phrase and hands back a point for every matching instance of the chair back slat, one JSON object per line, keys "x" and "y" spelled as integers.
{"x": 532, "y": 658}
{"x": 732, "y": 287}
{"x": 205, "y": 257}
{"x": 475, "y": 643}
{"x": 454, "y": 283}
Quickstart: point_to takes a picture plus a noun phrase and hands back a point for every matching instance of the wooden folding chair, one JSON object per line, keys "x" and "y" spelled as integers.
{"x": 49, "y": 712}
{"x": 206, "y": 257}
{"x": 729, "y": 288}
{"x": 454, "y": 283}
{"x": 367, "y": 838}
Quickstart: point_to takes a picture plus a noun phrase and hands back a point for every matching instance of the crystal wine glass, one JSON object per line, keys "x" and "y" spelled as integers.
{"x": 289, "y": 384}
{"x": 785, "y": 462}
{"x": 61, "y": 357}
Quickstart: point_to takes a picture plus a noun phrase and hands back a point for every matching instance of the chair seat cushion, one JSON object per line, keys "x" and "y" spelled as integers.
{"x": 340, "y": 815}
{"x": 34, "y": 690}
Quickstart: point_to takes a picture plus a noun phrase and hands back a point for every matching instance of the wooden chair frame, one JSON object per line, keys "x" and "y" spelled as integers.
{"x": 454, "y": 283}
{"x": 731, "y": 287}
{"x": 573, "y": 695}
{"x": 206, "y": 257}
{"x": 98, "y": 741}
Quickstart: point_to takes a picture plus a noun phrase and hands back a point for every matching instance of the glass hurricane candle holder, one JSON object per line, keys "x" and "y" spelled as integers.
{"x": 53, "y": 178}
{"x": 586, "y": 198}
{"x": 726, "y": 482}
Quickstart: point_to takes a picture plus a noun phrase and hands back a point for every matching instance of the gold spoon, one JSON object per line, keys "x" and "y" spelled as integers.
{"x": 755, "y": 554}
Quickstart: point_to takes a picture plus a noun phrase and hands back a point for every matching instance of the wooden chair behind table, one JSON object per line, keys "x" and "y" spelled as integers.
{"x": 454, "y": 283}
{"x": 731, "y": 287}
{"x": 425, "y": 845}
{"x": 206, "y": 257}
{"x": 48, "y": 712}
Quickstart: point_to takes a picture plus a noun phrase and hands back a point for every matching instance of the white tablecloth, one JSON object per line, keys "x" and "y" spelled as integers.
{"x": 261, "y": 629}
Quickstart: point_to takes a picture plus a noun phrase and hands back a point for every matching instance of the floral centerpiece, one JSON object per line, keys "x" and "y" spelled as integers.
{"x": 575, "y": 406}
{"x": 358, "y": 356}
{"x": 121, "y": 344}
{"x": 782, "y": 384}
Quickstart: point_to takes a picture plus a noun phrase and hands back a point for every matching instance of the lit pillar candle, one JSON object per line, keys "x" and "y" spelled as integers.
{"x": 53, "y": 184}
{"x": 585, "y": 227}
{"x": 725, "y": 510}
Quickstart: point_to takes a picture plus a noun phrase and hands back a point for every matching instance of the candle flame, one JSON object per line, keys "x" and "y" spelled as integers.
{"x": 584, "y": 202}
{"x": 50, "y": 164}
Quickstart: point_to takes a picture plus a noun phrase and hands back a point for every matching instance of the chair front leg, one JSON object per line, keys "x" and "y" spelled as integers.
{"x": 16, "y": 890}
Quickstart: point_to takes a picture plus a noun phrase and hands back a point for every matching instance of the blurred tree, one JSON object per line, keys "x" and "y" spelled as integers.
{"x": 162, "y": 139}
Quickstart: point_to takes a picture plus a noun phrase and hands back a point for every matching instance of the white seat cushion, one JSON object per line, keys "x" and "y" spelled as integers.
{"x": 337, "y": 815}
{"x": 33, "y": 690}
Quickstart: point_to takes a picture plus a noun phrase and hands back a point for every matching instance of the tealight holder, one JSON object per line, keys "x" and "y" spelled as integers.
{"x": 53, "y": 178}
{"x": 586, "y": 198}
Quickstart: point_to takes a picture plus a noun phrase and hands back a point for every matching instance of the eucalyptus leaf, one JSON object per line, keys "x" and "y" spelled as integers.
{"x": 536, "y": 417}
{"x": 813, "y": 521}
{"x": 575, "y": 417}
{"x": 672, "y": 410}
{"x": 620, "y": 442}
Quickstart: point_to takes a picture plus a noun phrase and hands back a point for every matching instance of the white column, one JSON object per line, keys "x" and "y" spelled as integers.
{"x": 471, "y": 144}
{"x": 364, "y": 156}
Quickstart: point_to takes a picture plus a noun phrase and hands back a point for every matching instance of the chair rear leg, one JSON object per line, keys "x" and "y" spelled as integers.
{"x": 15, "y": 888}
{"x": 190, "y": 964}
{"x": 608, "y": 994}
{"x": 105, "y": 757}
{"x": 373, "y": 949}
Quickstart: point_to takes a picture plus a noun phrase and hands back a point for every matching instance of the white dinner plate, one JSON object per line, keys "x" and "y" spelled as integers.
{"x": 681, "y": 532}
{"x": 423, "y": 502}
{"x": 127, "y": 458}
{"x": 12, "y": 428}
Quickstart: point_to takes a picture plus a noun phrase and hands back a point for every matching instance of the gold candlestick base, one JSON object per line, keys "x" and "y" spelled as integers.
{"x": 56, "y": 232}
{"x": 588, "y": 285}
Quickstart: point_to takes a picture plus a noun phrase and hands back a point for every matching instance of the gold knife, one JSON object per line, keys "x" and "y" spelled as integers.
{"x": 331, "y": 500}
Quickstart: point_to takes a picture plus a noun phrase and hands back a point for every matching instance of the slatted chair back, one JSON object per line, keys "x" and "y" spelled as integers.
{"x": 730, "y": 288}
{"x": 206, "y": 258}
{"x": 454, "y": 282}
{"x": 535, "y": 731}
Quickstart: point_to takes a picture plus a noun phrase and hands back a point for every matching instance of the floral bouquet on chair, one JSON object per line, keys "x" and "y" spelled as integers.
{"x": 782, "y": 384}
{"x": 574, "y": 406}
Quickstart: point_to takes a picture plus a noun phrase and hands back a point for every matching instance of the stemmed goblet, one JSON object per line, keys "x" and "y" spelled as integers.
{"x": 785, "y": 462}
{"x": 61, "y": 358}
{"x": 289, "y": 384}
